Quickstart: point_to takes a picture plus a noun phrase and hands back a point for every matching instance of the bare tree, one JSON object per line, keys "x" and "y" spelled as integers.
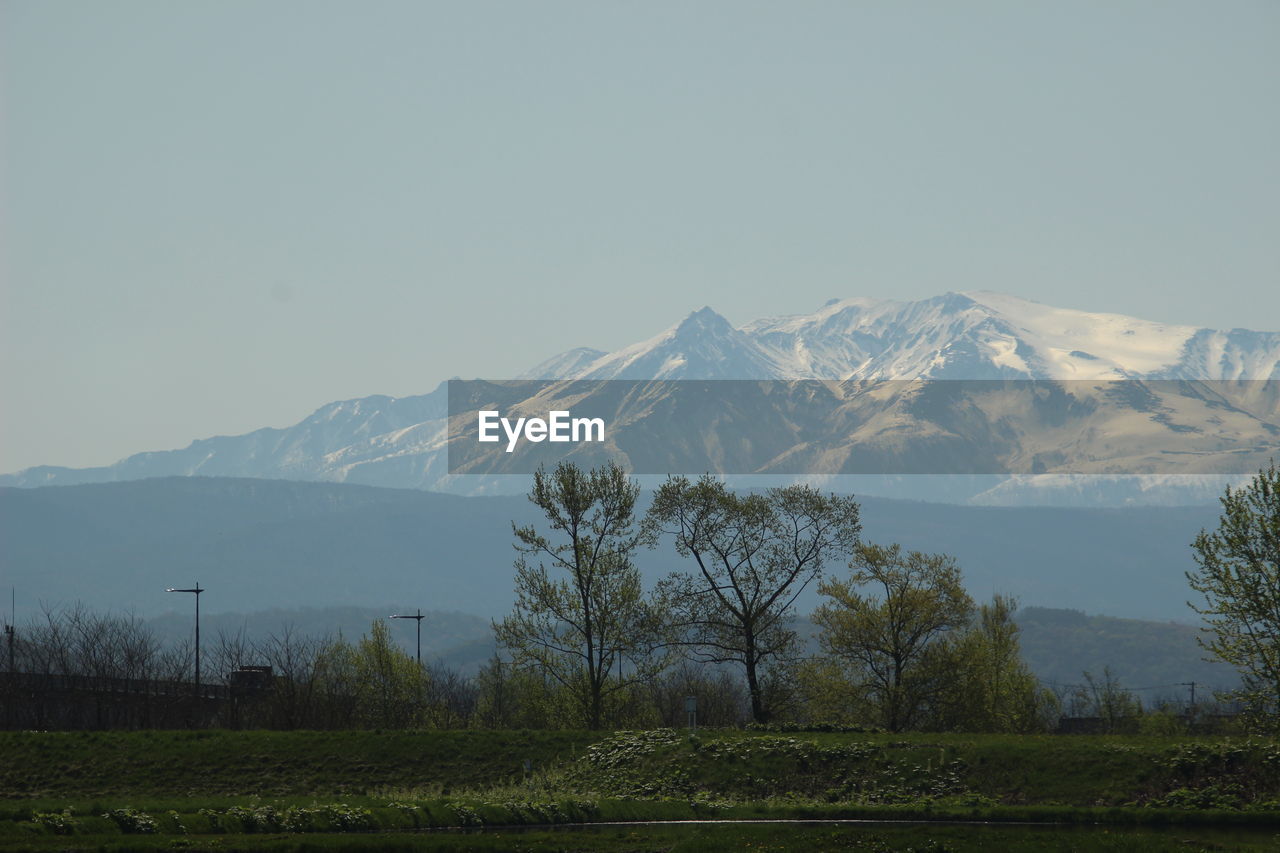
{"x": 721, "y": 701}
{"x": 296, "y": 662}
{"x": 451, "y": 697}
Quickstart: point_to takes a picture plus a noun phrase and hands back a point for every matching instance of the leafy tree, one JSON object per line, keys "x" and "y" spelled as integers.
{"x": 390, "y": 685}
{"x": 1239, "y": 577}
{"x": 335, "y": 689}
{"x": 895, "y": 640}
{"x": 755, "y": 554}
{"x": 372, "y": 684}
{"x": 994, "y": 690}
{"x": 576, "y": 626}
{"x": 828, "y": 694}
{"x": 511, "y": 697}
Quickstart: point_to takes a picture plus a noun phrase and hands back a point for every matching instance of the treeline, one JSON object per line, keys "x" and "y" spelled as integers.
{"x": 74, "y": 657}
{"x": 327, "y": 682}
{"x": 80, "y": 642}
{"x": 901, "y": 644}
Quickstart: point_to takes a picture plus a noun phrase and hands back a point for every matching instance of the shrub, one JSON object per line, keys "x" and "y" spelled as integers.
{"x": 132, "y": 821}
{"x": 59, "y": 823}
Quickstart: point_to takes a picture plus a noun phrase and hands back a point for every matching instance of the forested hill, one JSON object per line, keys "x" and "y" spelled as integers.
{"x": 263, "y": 544}
{"x": 1160, "y": 658}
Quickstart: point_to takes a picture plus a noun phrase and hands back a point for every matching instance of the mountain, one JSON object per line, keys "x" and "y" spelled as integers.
{"x": 264, "y": 544}
{"x": 1159, "y": 660}
{"x": 275, "y": 554}
{"x": 401, "y": 442}
{"x": 980, "y": 335}
{"x": 877, "y": 427}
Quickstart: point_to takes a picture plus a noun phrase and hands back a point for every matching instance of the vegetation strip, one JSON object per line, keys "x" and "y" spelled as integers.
{"x": 748, "y": 821}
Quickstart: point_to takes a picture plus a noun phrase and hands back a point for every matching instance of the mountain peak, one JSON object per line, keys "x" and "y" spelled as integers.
{"x": 974, "y": 335}
{"x": 704, "y": 320}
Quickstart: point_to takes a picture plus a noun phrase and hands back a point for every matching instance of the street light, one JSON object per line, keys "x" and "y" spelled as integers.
{"x": 417, "y": 617}
{"x": 197, "y": 592}
{"x": 9, "y": 629}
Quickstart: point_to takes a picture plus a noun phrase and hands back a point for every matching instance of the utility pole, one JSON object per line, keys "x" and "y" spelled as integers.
{"x": 417, "y": 617}
{"x": 1191, "y": 709}
{"x": 12, "y": 677}
{"x": 11, "y": 626}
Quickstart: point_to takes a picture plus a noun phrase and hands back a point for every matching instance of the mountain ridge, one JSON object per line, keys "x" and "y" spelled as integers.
{"x": 259, "y": 543}
{"x": 399, "y": 441}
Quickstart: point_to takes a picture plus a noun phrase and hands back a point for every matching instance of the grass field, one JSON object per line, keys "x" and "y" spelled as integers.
{"x": 226, "y": 763}
{"x": 384, "y": 790}
{"x": 708, "y": 839}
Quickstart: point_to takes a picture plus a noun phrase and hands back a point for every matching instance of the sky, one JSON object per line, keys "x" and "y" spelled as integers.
{"x": 219, "y": 216}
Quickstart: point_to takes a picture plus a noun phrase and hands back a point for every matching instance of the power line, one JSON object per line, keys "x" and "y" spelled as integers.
{"x": 1087, "y": 686}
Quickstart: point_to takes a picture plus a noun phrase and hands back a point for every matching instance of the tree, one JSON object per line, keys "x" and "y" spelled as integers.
{"x": 1239, "y": 577}
{"x": 994, "y": 690}
{"x": 295, "y": 700}
{"x": 451, "y": 697}
{"x": 1107, "y": 700}
{"x": 896, "y": 643}
{"x": 755, "y": 554}
{"x": 510, "y": 697}
{"x": 577, "y": 626}
{"x": 390, "y": 686}
{"x": 721, "y": 700}
{"x": 829, "y": 695}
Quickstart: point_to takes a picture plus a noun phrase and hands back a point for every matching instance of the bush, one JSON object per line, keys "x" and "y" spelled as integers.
{"x": 1162, "y": 724}
{"x": 59, "y": 823}
{"x": 831, "y": 728}
{"x": 132, "y": 822}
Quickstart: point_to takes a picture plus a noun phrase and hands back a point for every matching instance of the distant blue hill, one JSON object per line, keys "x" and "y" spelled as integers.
{"x": 265, "y": 544}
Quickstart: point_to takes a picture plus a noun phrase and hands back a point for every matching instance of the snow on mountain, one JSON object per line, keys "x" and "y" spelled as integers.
{"x": 319, "y": 447}
{"x": 702, "y": 346}
{"x": 978, "y": 335}
{"x": 390, "y": 441}
{"x": 1079, "y": 345}
{"x": 566, "y": 363}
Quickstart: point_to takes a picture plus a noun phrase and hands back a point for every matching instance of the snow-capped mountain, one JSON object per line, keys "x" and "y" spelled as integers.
{"x": 980, "y": 335}
{"x": 400, "y": 441}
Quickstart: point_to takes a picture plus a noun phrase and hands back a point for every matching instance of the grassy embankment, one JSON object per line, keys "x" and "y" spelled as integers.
{"x": 220, "y": 788}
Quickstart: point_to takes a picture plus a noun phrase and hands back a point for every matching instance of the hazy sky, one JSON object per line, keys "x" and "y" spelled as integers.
{"x": 218, "y": 216}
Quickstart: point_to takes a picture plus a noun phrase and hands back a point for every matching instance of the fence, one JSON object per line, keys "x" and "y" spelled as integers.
{"x": 69, "y": 702}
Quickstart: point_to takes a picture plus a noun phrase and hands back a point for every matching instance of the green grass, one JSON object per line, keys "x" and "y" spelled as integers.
{"x": 955, "y": 770}
{"x": 295, "y": 790}
{"x": 198, "y": 764}
{"x": 708, "y": 839}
